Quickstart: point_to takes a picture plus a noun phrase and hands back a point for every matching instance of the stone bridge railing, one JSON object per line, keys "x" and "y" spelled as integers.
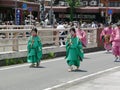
{"x": 14, "y": 38}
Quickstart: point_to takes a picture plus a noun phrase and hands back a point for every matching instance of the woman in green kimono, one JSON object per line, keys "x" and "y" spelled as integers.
{"x": 34, "y": 48}
{"x": 74, "y": 50}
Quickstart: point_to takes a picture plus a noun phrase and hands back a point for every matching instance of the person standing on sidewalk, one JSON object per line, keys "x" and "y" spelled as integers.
{"x": 74, "y": 50}
{"x": 105, "y": 37}
{"x": 34, "y": 48}
{"x": 61, "y": 29}
{"x": 115, "y": 39}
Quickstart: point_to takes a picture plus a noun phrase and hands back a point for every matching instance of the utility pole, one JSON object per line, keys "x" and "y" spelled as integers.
{"x": 42, "y": 10}
{"x": 15, "y": 11}
{"x": 51, "y": 13}
{"x": 107, "y": 4}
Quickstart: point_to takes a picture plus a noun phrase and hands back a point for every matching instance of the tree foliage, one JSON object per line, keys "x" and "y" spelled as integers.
{"x": 73, "y": 4}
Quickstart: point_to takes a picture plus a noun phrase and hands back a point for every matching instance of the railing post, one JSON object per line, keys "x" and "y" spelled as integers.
{"x": 98, "y": 37}
{"x": 56, "y": 34}
{"x": 7, "y": 34}
{"x": 91, "y": 36}
{"x": 15, "y": 42}
{"x": 95, "y": 35}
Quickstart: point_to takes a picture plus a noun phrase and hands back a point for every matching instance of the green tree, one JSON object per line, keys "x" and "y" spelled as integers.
{"x": 73, "y": 4}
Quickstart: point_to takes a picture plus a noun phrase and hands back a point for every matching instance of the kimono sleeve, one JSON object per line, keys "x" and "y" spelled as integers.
{"x": 79, "y": 44}
{"x": 40, "y": 43}
{"x": 29, "y": 44}
{"x": 80, "y": 50}
{"x": 67, "y": 47}
{"x": 67, "y": 44}
{"x": 112, "y": 36}
{"x": 39, "y": 49}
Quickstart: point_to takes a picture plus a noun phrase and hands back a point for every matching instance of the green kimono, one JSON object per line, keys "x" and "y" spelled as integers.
{"x": 34, "y": 48}
{"x": 74, "y": 51}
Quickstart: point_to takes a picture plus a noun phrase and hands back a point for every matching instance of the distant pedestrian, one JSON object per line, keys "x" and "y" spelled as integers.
{"x": 74, "y": 50}
{"x": 105, "y": 37}
{"x": 83, "y": 25}
{"x": 61, "y": 29}
{"x": 94, "y": 25}
{"x": 115, "y": 39}
{"x": 81, "y": 34}
{"x": 34, "y": 48}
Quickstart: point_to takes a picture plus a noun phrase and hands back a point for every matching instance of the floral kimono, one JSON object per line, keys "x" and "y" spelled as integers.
{"x": 105, "y": 37}
{"x": 81, "y": 34}
{"x": 115, "y": 39}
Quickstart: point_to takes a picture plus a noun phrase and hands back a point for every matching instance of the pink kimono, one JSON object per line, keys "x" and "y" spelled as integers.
{"x": 105, "y": 37}
{"x": 115, "y": 39}
{"x": 82, "y": 36}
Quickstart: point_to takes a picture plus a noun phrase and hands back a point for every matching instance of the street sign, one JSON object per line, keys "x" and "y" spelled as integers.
{"x": 110, "y": 11}
{"x": 24, "y": 6}
{"x": 30, "y": 9}
{"x": 17, "y": 17}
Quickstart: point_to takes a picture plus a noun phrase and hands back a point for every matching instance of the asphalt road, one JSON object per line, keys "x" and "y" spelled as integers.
{"x": 52, "y": 73}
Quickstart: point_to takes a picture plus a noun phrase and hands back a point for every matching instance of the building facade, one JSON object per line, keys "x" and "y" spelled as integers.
{"x": 7, "y": 10}
{"x": 90, "y": 10}
{"x": 111, "y": 3}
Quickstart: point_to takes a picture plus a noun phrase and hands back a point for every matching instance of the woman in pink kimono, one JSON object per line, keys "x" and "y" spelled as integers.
{"x": 115, "y": 39}
{"x": 105, "y": 37}
{"x": 81, "y": 34}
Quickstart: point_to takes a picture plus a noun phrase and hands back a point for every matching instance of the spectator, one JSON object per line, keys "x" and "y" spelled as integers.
{"x": 83, "y": 25}
{"x": 94, "y": 25}
{"x": 61, "y": 27}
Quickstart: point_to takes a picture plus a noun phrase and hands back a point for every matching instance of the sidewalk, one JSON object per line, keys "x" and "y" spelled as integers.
{"x": 107, "y": 81}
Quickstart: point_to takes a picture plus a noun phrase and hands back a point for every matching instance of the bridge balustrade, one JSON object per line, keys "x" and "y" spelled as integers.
{"x": 14, "y": 38}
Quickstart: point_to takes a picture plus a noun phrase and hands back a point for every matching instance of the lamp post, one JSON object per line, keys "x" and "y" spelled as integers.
{"x": 107, "y": 1}
{"x": 15, "y": 10}
{"x": 16, "y": 6}
{"x": 42, "y": 9}
{"x": 51, "y": 13}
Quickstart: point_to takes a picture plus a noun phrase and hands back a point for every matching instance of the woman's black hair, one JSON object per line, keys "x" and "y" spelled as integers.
{"x": 72, "y": 29}
{"x": 34, "y": 29}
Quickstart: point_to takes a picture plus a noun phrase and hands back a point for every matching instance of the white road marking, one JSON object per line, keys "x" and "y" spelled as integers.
{"x": 51, "y": 60}
{"x": 81, "y": 78}
{"x": 71, "y": 81}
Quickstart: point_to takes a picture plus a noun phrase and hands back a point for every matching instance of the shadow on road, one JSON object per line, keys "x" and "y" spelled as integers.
{"x": 86, "y": 58}
{"x": 108, "y": 52}
{"x": 38, "y": 67}
{"x": 79, "y": 70}
{"x": 117, "y": 61}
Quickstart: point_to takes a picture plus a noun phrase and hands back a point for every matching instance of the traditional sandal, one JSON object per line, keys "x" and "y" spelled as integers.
{"x": 70, "y": 69}
{"x": 32, "y": 65}
{"x": 37, "y": 65}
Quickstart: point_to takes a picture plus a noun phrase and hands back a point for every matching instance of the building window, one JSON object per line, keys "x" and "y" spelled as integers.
{"x": 114, "y": 4}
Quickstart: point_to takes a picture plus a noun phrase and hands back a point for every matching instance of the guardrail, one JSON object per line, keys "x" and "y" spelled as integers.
{"x": 14, "y": 38}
